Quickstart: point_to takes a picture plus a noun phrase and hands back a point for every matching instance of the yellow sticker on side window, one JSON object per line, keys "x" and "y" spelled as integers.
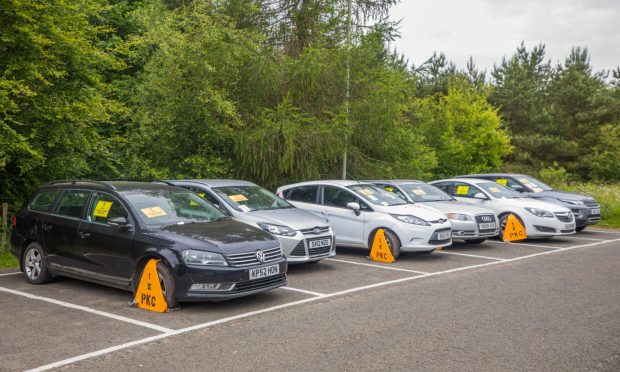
{"x": 102, "y": 209}
{"x": 153, "y": 212}
{"x": 390, "y": 189}
{"x": 462, "y": 190}
{"x": 193, "y": 203}
{"x": 502, "y": 181}
{"x": 202, "y": 195}
{"x": 237, "y": 198}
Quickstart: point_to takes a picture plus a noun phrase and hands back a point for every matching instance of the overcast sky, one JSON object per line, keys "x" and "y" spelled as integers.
{"x": 490, "y": 29}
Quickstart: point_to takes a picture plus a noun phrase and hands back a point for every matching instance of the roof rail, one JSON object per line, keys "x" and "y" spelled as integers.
{"x": 74, "y": 182}
{"x": 143, "y": 180}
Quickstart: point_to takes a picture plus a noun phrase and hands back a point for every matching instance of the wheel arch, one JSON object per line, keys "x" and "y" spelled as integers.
{"x": 371, "y": 236}
{"x": 168, "y": 258}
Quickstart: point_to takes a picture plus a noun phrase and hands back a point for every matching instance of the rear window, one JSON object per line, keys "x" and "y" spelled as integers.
{"x": 305, "y": 194}
{"x": 43, "y": 201}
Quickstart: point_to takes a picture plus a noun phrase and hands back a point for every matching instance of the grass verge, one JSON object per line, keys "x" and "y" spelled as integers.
{"x": 8, "y": 261}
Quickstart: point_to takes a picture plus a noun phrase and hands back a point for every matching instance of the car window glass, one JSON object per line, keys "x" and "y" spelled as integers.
{"x": 72, "y": 203}
{"x": 105, "y": 207}
{"x": 337, "y": 197}
{"x": 445, "y": 187}
{"x": 533, "y": 185}
{"x": 203, "y": 194}
{"x": 464, "y": 190}
{"x": 395, "y": 190}
{"x": 43, "y": 201}
{"x": 251, "y": 198}
{"x": 376, "y": 195}
{"x": 421, "y": 192}
{"x": 499, "y": 191}
{"x": 306, "y": 194}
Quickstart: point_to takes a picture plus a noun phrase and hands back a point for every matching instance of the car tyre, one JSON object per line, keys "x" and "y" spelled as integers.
{"x": 34, "y": 264}
{"x": 475, "y": 241}
{"x": 166, "y": 281}
{"x": 580, "y": 228}
{"x": 503, "y": 219}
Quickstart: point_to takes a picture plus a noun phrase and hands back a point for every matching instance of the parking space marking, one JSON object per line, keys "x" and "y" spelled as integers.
{"x": 377, "y": 266}
{"x": 299, "y": 302}
{"x": 472, "y": 255}
{"x": 87, "y": 309}
{"x": 15, "y": 273}
{"x": 582, "y": 238}
{"x": 317, "y": 294}
{"x": 603, "y": 231}
{"x": 525, "y": 245}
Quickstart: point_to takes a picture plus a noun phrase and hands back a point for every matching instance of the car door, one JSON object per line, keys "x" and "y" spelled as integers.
{"x": 306, "y": 198}
{"x": 107, "y": 250}
{"x": 61, "y": 231}
{"x": 347, "y": 224}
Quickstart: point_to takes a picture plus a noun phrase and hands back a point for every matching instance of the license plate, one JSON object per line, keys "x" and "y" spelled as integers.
{"x": 263, "y": 272}
{"x": 569, "y": 226}
{"x": 444, "y": 235}
{"x": 486, "y": 225}
{"x": 319, "y": 243}
{"x": 595, "y": 211}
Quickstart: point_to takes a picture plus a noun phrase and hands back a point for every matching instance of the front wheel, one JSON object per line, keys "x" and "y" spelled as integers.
{"x": 580, "y": 228}
{"x": 392, "y": 242}
{"x": 503, "y": 221}
{"x": 35, "y": 265}
{"x": 166, "y": 281}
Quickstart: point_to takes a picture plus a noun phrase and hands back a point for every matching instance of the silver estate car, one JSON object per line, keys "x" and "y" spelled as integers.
{"x": 304, "y": 237}
{"x": 469, "y": 222}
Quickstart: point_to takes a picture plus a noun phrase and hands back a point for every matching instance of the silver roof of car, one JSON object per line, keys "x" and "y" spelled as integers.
{"x": 217, "y": 182}
{"x": 470, "y": 180}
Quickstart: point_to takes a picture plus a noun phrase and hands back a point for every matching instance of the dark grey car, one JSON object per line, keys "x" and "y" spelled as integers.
{"x": 585, "y": 208}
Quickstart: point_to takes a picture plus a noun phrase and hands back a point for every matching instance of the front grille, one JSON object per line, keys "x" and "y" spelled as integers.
{"x": 319, "y": 251}
{"x": 310, "y": 231}
{"x": 299, "y": 250}
{"x": 486, "y": 218}
{"x": 591, "y": 204}
{"x": 566, "y": 231}
{"x": 565, "y": 216}
{"x": 544, "y": 229}
{"x": 252, "y": 285}
{"x": 249, "y": 258}
{"x": 435, "y": 240}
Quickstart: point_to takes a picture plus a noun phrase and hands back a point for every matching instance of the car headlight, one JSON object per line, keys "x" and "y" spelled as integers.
{"x": 407, "y": 218}
{"x": 193, "y": 257}
{"x": 277, "y": 229}
{"x": 572, "y": 202}
{"x": 458, "y": 217}
{"x": 539, "y": 212}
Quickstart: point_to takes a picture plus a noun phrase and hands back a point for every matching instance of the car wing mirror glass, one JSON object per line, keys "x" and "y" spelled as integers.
{"x": 355, "y": 207}
{"x": 119, "y": 222}
{"x": 517, "y": 188}
{"x": 481, "y": 196}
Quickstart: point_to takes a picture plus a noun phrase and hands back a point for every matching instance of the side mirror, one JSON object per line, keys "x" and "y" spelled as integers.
{"x": 119, "y": 222}
{"x": 355, "y": 207}
{"x": 517, "y": 188}
{"x": 480, "y": 195}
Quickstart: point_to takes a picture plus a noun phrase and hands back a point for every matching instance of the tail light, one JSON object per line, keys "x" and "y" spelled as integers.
{"x": 14, "y": 221}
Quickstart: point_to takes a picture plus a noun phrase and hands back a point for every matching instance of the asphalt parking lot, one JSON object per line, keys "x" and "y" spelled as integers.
{"x": 541, "y": 305}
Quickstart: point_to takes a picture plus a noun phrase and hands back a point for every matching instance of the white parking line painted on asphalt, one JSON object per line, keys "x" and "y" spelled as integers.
{"x": 87, "y": 309}
{"x": 295, "y": 303}
{"x": 524, "y": 244}
{"x": 471, "y": 255}
{"x": 7, "y": 274}
{"x": 377, "y": 266}
{"x": 580, "y": 238}
{"x": 303, "y": 291}
{"x": 604, "y": 231}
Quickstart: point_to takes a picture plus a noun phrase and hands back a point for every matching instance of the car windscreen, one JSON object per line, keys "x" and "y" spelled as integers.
{"x": 159, "y": 208}
{"x": 377, "y": 195}
{"x": 421, "y": 192}
{"x": 251, "y": 198}
{"x": 498, "y": 191}
{"x": 533, "y": 184}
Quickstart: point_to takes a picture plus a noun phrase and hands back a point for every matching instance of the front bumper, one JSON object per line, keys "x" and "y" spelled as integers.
{"x": 540, "y": 227}
{"x": 415, "y": 238}
{"x": 585, "y": 215}
{"x": 188, "y": 275}
{"x": 468, "y": 230}
{"x": 297, "y": 248}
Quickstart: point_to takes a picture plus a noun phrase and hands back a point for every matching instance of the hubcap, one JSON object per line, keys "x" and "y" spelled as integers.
{"x": 32, "y": 264}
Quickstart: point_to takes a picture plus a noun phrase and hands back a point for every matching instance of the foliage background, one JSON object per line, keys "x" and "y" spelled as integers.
{"x": 255, "y": 89}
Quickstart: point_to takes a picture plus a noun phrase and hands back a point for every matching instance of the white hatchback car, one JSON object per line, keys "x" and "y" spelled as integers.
{"x": 540, "y": 219}
{"x": 356, "y": 210}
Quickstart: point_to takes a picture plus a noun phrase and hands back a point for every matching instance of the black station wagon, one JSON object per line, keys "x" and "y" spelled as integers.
{"x": 106, "y": 232}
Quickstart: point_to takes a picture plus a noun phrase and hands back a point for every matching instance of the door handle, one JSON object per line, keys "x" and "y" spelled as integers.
{"x": 47, "y": 228}
{"x": 84, "y": 235}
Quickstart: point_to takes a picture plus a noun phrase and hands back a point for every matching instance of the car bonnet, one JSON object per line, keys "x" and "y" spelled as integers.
{"x": 424, "y": 212}
{"x": 294, "y": 218}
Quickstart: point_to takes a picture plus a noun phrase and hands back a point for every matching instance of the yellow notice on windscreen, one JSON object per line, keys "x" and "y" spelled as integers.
{"x": 237, "y": 198}
{"x": 494, "y": 189}
{"x": 420, "y": 192}
{"x": 102, "y": 209}
{"x": 153, "y": 212}
{"x": 202, "y": 195}
{"x": 502, "y": 181}
{"x": 366, "y": 192}
{"x": 462, "y": 190}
